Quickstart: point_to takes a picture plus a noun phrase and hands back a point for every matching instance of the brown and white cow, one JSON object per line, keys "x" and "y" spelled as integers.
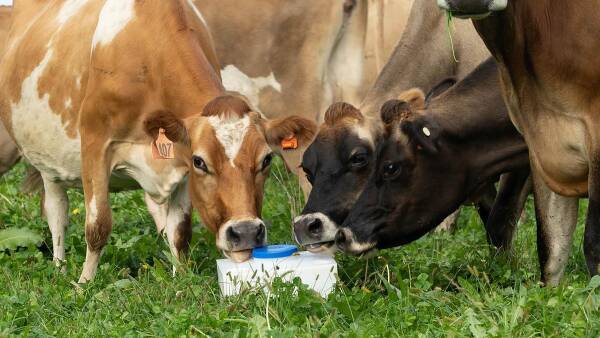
{"x": 548, "y": 56}
{"x": 340, "y": 159}
{"x": 9, "y": 153}
{"x": 87, "y": 86}
{"x": 301, "y": 56}
{"x": 434, "y": 158}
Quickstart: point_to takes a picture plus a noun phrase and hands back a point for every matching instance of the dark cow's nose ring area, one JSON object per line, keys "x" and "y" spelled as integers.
{"x": 233, "y": 236}
{"x": 340, "y": 239}
{"x": 260, "y": 235}
{"x": 315, "y": 227}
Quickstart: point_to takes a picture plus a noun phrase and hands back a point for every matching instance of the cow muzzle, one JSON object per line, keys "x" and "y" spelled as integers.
{"x": 315, "y": 231}
{"x": 472, "y": 8}
{"x": 237, "y": 238}
{"x": 346, "y": 241}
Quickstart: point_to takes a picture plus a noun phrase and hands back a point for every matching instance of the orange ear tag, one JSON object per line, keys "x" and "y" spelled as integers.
{"x": 290, "y": 143}
{"x": 162, "y": 147}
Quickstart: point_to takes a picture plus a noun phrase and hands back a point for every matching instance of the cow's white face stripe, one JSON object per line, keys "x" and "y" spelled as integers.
{"x": 364, "y": 132}
{"x": 69, "y": 9}
{"x": 235, "y": 80}
{"x": 191, "y": 3}
{"x": 230, "y": 132}
{"x": 115, "y": 15}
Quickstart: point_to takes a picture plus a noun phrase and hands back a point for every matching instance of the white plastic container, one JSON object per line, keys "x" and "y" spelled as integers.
{"x": 317, "y": 271}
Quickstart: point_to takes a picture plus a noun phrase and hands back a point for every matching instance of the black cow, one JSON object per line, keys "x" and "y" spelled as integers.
{"x": 433, "y": 160}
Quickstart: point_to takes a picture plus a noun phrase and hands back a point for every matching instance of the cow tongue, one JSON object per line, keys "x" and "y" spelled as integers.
{"x": 239, "y": 256}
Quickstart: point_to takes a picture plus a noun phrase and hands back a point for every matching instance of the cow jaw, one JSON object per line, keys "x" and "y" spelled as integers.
{"x": 238, "y": 256}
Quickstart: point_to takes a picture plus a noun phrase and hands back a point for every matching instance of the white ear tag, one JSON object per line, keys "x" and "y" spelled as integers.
{"x": 426, "y": 131}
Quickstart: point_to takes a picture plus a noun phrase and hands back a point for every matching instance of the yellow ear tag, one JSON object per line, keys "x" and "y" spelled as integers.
{"x": 162, "y": 147}
{"x": 290, "y": 143}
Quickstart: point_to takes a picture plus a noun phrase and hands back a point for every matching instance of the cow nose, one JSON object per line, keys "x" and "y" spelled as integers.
{"x": 246, "y": 235}
{"x": 315, "y": 227}
{"x": 260, "y": 234}
{"x": 341, "y": 239}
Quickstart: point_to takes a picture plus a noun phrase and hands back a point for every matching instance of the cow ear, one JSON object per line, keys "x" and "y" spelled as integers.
{"x": 174, "y": 127}
{"x": 414, "y": 97}
{"x": 408, "y": 102}
{"x": 422, "y": 133}
{"x": 440, "y": 88}
{"x": 341, "y": 111}
{"x": 393, "y": 110}
{"x": 289, "y": 133}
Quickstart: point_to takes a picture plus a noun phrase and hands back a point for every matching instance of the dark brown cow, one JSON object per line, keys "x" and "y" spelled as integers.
{"x": 89, "y": 88}
{"x": 550, "y": 69}
{"x": 433, "y": 159}
{"x": 340, "y": 159}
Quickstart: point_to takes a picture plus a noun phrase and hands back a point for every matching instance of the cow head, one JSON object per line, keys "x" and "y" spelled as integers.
{"x": 229, "y": 157}
{"x": 338, "y": 164}
{"x": 472, "y": 8}
{"x": 414, "y": 185}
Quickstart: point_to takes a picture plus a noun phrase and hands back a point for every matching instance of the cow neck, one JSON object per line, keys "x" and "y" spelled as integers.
{"x": 190, "y": 77}
{"x": 402, "y": 72}
{"x": 474, "y": 120}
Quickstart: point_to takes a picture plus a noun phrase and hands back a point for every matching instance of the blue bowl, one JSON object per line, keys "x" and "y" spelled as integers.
{"x": 274, "y": 251}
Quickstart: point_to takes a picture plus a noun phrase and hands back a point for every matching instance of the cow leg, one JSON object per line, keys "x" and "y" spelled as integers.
{"x": 9, "y": 153}
{"x": 179, "y": 222}
{"x": 556, "y": 220}
{"x": 158, "y": 212}
{"x": 449, "y": 223}
{"x": 98, "y": 219}
{"x": 512, "y": 194}
{"x": 173, "y": 218}
{"x": 591, "y": 236}
{"x": 485, "y": 202}
{"x": 56, "y": 207}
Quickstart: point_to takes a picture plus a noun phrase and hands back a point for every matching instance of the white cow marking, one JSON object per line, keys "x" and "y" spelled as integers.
{"x": 235, "y": 80}
{"x": 93, "y": 210}
{"x": 115, "y": 15}
{"x": 364, "y": 132}
{"x": 68, "y": 103}
{"x": 230, "y": 133}
{"x": 69, "y": 9}
{"x": 40, "y": 131}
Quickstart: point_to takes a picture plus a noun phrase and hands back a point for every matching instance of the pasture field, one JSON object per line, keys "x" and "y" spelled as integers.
{"x": 444, "y": 285}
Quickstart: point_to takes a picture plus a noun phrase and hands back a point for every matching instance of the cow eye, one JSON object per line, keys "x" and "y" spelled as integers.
{"x": 199, "y": 163}
{"x": 391, "y": 170}
{"x": 359, "y": 160}
{"x": 267, "y": 161}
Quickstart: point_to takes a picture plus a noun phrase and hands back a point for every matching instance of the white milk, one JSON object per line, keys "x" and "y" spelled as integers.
{"x": 317, "y": 271}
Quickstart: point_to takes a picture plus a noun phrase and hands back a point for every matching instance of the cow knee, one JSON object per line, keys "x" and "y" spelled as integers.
{"x": 183, "y": 235}
{"x": 97, "y": 233}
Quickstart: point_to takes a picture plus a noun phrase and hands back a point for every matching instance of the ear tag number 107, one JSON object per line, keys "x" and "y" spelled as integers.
{"x": 162, "y": 147}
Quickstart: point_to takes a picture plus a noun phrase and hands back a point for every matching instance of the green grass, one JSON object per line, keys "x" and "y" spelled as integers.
{"x": 442, "y": 285}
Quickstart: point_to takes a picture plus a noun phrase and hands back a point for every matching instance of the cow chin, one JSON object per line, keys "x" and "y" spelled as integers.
{"x": 327, "y": 248}
{"x": 238, "y": 256}
{"x": 472, "y": 10}
{"x": 347, "y": 242}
